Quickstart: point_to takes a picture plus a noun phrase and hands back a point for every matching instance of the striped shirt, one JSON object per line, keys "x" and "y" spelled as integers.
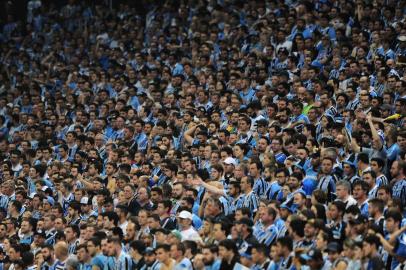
{"x": 353, "y": 104}
{"x": 273, "y": 190}
{"x": 4, "y": 200}
{"x": 50, "y": 237}
{"x": 227, "y": 208}
{"x": 59, "y": 265}
{"x": 260, "y": 186}
{"x": 373, "y": 192}
{"x": 327, "y": 184}
{"x": 124, "y": 262}
{"x": 382, "y": 180}
{"x": 250, "y": 201}
{"x": 399, "y": 191}
{"x": 267, "y": 235}
{"x": 72, "y": 246}
{"x": 142, "y": 141}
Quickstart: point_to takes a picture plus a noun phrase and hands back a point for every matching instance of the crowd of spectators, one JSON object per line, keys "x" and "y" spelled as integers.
{"x": 203, "y": 134}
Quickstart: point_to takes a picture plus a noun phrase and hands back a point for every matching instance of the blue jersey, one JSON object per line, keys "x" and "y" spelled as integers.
{"x": 267, "y": 235}
{"x": 273, "y": 190}
{"x": 99, "y": 260}
{"x": 260, "y": 186}
{"x": 399, "y": 191}
{"x": 250, "y": 201}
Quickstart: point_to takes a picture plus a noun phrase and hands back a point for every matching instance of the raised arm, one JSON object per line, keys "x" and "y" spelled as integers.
{"x": 354, "y": 146}
{"x": 375, "y": 135}
{"x": 210, "y": 188}
{"x": 189, "y": 134}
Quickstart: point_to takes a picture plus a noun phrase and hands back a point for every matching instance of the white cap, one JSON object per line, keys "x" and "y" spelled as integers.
{"x": 402, "y": 38}
{"x": 230, "y": 161}
{"x": 185, "y": 215}
{"x": 84, "y": 200}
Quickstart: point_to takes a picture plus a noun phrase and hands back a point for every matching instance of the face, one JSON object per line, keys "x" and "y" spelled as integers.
{"x": 162, "y": 255}
{"x": 333, "y": 212}
{"x": 218, "y": 233}
{"x": 341, "y": 192}
{"x": 59, "y": 224}
{"x": 91, "y": 248}
{"x": 142, "y": 218}
{"x": 13, "y": 254}
{"x": 69, "y": 234}
{"x": 293, "y": 182}
{"x": 383, "y": 195}
{"x": 358, "y": 192}
{"x": 367, "y": 177}
{"x": 326, "y": 166}
{"x": 82, "y": 255}
{"x": 320, "y": 242}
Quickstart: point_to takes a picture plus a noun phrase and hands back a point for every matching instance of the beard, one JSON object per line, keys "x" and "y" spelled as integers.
{"x": 208, "y": 262}
{"x": 47, "y": 258}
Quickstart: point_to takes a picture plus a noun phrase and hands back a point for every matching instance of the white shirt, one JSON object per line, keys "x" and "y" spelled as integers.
{"x": 123, "y": 227}
{"x": 190, "y": 234}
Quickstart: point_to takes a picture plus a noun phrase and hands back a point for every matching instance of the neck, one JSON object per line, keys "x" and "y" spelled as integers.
{"x": 63, "y": 258}
{"x": 377, "y": 215}
{"x": 73, "y": 241}
{"x": 230, "y": 258}
{"x": 338, "y": 220}
{"x": 138, "y": 257}
{"x": 361, "y": 200}
{"x": 268, "y": 223}
{"x": 118, "y": 253}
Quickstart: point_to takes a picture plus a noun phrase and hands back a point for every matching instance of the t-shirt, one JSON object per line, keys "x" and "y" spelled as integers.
{"x": 99, "y": 260}
{"x": 184, "y": 264}
{"x": 375, "y": 263}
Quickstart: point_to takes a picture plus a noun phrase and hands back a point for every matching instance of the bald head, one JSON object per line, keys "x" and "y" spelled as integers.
{"x": 61, "y": 250}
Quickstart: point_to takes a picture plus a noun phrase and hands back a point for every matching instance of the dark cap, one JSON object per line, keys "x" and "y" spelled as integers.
{"x": 245, "y": 221}
{"x": 359, "y": 220}
{"x": 283, "y": 50}
{"x": 202, "y": 109}
{"x": 386, "y": 107}
{"x": 40, "y": 233}
{"x": 149, "y": 250}
{"x": 312, "y": 254}
{"x": 262, "y": 123}
{"x": 162, "y": 230}
{"x": 333, "y": 247}
{"x": 123, "y": 207}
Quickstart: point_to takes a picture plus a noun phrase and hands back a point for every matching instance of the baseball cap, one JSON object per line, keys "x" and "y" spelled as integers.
{"x": 402, "y": 38}
{"x": 230, "y": 161}
{"x": 245, "y": 221}
{"x": 359, "y": 220}
{"x": 149, "y": 250}
{"x": 386, "y": 107}
{"x": 85, "y": 201}
{"x": 185, "y": 215}
{"x": 312, "y": 254}
{"x": 262, "y": 123}
{"x": 49, "y": 200}
{"x": 162, "y": 230}
{"x": 247, "y": 253}
{"x": 40, "y": 233}
{"x": 177, "y": 234}
{"x": 333, "y": 247}
{"x": 285, "y": 206}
